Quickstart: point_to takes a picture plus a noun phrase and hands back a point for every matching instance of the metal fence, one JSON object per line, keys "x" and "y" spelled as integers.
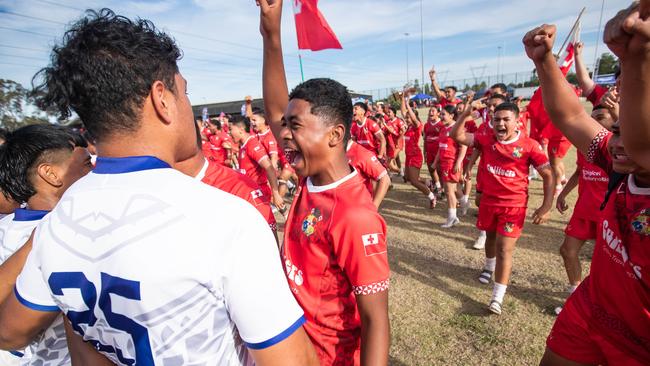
{"x": 518, "y": 79}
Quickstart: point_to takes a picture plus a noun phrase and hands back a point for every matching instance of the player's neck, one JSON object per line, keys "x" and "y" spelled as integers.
{"x": 642, "y": 180}
{"x": 138, "y": 143}
{"x": 191, "y": 166}
{"x": 43, "y": 202}
{"x": 336, "y": 169}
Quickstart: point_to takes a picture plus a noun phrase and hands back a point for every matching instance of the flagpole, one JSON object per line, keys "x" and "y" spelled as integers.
{"x": 302, "y": 74}
{"x": 575, "y": 24}
{"x": 600, "y": 23}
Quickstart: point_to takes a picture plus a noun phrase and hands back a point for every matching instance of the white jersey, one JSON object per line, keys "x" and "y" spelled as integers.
{"x": 154, "y": 267}
{"x": 50, "y": 347}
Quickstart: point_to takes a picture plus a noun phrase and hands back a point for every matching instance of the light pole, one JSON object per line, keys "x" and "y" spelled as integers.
{"x": 407, "y": 57}
{"x": 600, "y": 23}
{"x": 498, "y": 62}
{"x": 421, "y": 47}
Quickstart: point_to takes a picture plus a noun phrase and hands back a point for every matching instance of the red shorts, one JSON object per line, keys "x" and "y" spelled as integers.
{"x": 414, "y": 159}
{"x": 574, "y": 338}
{"x": 390, "y": 151}
{"x": 558, "y": 148}
{"x": 505, "y": 221}
{"x": 446, "y": 171}
{"x": 581, "y": 228}
{"x": 431, "y": 155}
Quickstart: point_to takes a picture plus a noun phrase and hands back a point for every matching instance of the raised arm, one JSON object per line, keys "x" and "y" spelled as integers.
{"x": 628, "y": 36}
{"x": 434, "y": 85}
{"x": 406, "y": 105}
{"x": 585, "y": 82}
{"x": 458, "y": 131}
{"x": 561, "y": 103}
{"x": 274, "y": 80}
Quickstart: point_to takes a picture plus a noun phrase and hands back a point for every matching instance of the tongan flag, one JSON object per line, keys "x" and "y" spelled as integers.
{"x": 567, "y": 57}
{"x": 311, "y": 27}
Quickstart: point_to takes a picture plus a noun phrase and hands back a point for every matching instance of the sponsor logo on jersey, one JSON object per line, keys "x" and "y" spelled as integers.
{"x": 309, "y": 223}
{"x": 517, "y": 152}
{"x": 497, "y": 170}
{"x": 372, "y": 244}
{"x": 641, "y": 223}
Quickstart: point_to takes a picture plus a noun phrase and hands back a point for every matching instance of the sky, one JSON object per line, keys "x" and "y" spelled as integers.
{"x": 222, "y": 45}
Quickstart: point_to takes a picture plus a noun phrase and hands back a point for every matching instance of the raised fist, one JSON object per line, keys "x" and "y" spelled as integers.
{"x": 539, "y": 42}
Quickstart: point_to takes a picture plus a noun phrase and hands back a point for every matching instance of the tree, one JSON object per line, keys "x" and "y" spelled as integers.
{"x": 427, "y": 89}
{"x": 416, "y": 85}
{"x": 607, "y": 64}
{"x": 17, "y": 106}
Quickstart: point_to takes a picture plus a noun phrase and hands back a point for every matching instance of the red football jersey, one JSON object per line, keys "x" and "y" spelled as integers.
{"x": 432, "y": 134}
{"x": 237, "y": 184}
{"x": 398, "y": 125}
{"x": 505, "y": 175}
{"x": 619, "y": 294}
{"x": 412, "y": 139}
{"x": 470, "y": 127}
{"x": 365, "y": 134}
{"x": 334, "y": 249}
{"x": 592, "y": 186}
{"x": 268, "y": 142}
{"x": 448, "y": 148}
{"x": 251, "y": 153}
{"x": 366, "y": 164}
{"x": 444, "y": 102}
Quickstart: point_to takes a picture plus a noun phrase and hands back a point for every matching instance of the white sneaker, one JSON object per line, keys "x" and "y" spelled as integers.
{"x": 479, "y": 243}
{"x": 450, "y": 223}
{"x": 495, "y": 307}
{"x": 464, "y": 206}
{"x": 558, "y": 310}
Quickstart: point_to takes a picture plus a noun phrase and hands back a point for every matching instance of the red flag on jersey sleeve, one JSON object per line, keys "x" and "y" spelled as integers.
{"x": 311, "y": 27}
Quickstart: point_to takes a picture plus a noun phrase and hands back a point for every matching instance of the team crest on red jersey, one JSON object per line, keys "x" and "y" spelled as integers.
{"x": 517, "y": 152}
{"x": 641, "y": 223}
{"x": 309, "y": 223}
{"x": 508, "y": 227}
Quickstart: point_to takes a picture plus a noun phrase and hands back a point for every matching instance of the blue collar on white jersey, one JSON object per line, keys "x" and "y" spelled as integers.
{"x": 128, "y": 164}
{"x": 23, "y": 214}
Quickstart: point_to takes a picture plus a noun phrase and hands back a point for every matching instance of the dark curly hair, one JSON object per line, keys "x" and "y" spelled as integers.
{"x": 104, "y": 70}
{"x": 329, "y": 99}
{"x": 26, "y": 148}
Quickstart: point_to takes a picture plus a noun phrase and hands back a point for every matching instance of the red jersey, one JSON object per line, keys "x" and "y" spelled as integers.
{"x": 592, "y": 186}
{"x": 618, "y": 286}
{"x": 448, "y": 148}
{"x": 268, "y": 142}
{"x": 335, "y": 248}
{"x": 398, "y": 125}
{"x": 432, "y": 134}
{"x": 251, "y": 153}
{"x": 366, "y": 164}
{"x": 444, "y": 102}
{"x": 505, "y": 174}
{"x": 365, "y": 134}
{"x": 237, "y": 184}
{"x": 412, "y": 139}
{"x": 470, "y": 127}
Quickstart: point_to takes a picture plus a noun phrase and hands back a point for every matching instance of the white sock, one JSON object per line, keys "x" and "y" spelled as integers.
{"x": 438, "y": 185}
{"x": 563, "y": 178}
{"x": 290, "y": 184}
{"x": 490, "y": 264}
{"x": 401, "y": 171}
{"x": 498, "y": 292}
{"x": 451, "y": 214}
{"x": 464, "y": 199}
{"x": 482, "y": 234}
{"x": 431, "y": 196}
{"x": 572, "y": 288}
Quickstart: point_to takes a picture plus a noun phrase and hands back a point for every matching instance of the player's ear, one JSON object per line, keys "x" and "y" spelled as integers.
{"x": 50, "y": 173}
{"x": 337, "y": 135}
{"x": 161, "y": 101}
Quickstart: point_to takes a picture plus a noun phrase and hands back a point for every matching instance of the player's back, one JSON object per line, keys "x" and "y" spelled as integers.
{"x": 161, "y": 260}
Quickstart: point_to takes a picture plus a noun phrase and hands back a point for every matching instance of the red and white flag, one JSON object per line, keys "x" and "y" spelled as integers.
{"x": 567, "y": 57}
{"x": 374, "y": 244}
{"x": 311, "y": 27}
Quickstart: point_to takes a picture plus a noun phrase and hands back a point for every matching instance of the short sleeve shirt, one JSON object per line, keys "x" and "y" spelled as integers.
{"x": 251, "y": 154}
{"x": 366, "y": 164}
{"x": 365, "y": 134}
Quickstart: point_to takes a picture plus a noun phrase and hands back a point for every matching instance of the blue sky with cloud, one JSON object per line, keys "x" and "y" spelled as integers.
{"x": 222, "y": 46}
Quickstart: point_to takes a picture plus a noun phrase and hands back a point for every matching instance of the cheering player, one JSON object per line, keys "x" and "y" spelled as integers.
{"x": 335, "y": 241}
{"x": 448, "y": 97}
{"x": 507, "y": 155}
{"x": 366, "y": 132}
{"x": 114, "y": 236}
{"x": 254, "y": 161}
{"x": 264, "y": 135}
{"x": 375, "y": 176}
{"x": 607, "y": 319}
{"x": 449, "y": 162}
{"x": 432, "y": 129}
{"x": 396, "y": 128}
{"x": 413, "y": 154}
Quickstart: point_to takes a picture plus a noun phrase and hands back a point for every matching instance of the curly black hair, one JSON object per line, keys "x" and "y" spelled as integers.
{"x": 104, "y": 71}
{"x": 26, "y": 148}
{"x": 507, "y": 106}
{"x": 329, "y": 99}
